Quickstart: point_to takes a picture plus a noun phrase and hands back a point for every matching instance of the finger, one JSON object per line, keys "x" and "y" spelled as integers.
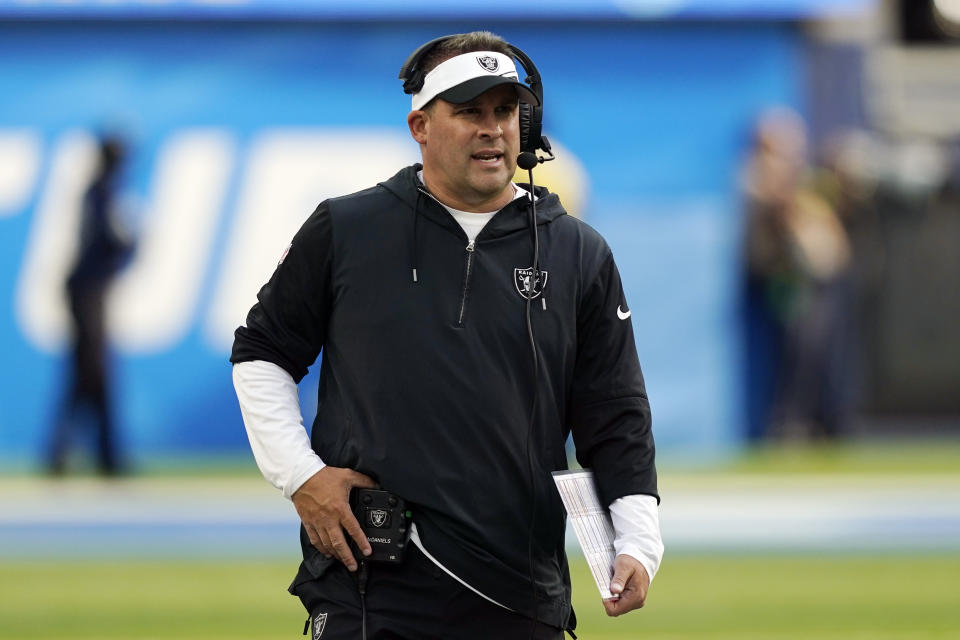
{"x": 324, "y": 546}
{"x": 358, "y": 479}
{"x": 350, "y": 524}
{"x": 610, "y": 606}
{"x": 620, "y": 579}
{"x": 313, "y": 535}
{"x": 341, "y": 550}
{"x": 630, "y": 600}
{"x": 322, "y": 543}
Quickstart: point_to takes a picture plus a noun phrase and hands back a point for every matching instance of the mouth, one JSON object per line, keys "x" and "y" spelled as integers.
{"x": 490, "y": 157}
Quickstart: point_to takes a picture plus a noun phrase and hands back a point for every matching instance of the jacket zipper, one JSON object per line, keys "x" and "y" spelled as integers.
{"x": 466, "y": 283}
{"x": 466, "y": 277}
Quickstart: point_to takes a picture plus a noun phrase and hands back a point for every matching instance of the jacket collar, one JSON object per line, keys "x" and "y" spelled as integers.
{"x": 513, "y": 217}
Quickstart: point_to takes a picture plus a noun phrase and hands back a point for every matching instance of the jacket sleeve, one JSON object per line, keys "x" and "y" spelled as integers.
{"x": 288, "y": 324}
{"x": 609, "y": 412}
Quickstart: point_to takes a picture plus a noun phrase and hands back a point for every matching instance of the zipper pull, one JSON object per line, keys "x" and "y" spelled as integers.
{"x": 470, "y": 246}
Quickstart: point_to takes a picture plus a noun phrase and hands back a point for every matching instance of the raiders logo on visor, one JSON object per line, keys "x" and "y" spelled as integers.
{"x": 489, "y": 63}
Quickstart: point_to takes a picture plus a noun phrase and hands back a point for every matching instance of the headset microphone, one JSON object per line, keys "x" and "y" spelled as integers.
{"x": 527, "y": 160}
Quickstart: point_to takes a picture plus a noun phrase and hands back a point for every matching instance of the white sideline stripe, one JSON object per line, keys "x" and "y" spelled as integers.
{"x": 713, "y": 512}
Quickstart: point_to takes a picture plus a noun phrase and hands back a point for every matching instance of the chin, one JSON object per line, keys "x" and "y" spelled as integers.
{"x": 493, "y": 184}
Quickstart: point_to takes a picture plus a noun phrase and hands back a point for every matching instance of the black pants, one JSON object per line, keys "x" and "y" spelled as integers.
{"x": 415, "y": 601}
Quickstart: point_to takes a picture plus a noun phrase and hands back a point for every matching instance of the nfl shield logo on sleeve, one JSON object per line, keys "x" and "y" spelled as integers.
{"x": 284, "y": 255}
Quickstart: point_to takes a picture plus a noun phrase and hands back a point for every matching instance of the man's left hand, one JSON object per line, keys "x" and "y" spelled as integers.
{"x": 630, "y": 581}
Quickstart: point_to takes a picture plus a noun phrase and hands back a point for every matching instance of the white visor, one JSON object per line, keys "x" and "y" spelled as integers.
{"x": 464, "y": 77}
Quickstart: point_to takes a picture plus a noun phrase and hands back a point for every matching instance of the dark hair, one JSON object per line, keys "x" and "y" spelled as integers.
{"x": 464, "y": 43}
{"x": 459, "y": 44}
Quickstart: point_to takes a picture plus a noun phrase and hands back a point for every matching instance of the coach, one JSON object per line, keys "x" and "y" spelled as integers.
{"x": 429, "y": 295}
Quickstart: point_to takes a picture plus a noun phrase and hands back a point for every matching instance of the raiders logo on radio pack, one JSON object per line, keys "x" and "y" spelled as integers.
{"x": 522, "y": 278}
{"x": 489, "y": 63}
{"x": 378, "y": 518}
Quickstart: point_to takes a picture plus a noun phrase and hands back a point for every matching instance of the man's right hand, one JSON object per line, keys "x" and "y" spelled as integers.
{"x": 323, "y": 503}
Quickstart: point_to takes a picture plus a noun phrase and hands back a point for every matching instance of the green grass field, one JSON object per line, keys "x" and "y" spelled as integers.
{"x": 697, "y": 596}
{"x": 717, "y": 597}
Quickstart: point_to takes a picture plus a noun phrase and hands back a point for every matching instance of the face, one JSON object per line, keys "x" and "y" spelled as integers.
{"x": 470, "y": 149}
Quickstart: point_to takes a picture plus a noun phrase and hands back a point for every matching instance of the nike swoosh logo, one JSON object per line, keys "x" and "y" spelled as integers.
{"x": 623, "y": 315}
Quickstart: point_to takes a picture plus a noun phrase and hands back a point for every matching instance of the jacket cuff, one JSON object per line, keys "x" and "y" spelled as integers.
{"x": 636, "y": 522}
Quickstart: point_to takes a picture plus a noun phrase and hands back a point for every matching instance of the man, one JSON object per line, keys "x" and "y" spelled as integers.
{"x": 103, "y": 251}
{"x": 415, "y": 291}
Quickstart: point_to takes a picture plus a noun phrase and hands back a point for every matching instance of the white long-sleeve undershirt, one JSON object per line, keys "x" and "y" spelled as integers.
{"x": 271, "y": 414}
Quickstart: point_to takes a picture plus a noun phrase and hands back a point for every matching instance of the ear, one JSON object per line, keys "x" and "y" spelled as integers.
{"x": 419, "y": 123}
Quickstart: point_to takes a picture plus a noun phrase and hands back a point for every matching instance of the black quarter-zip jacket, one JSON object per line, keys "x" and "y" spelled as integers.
{"x": 427, "y": 381}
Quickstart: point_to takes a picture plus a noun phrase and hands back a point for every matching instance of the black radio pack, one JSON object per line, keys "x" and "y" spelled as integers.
{"x": 385, "y": 521}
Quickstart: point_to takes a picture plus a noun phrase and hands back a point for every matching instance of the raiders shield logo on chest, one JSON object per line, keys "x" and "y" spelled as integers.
{"x": 529, "y": 285}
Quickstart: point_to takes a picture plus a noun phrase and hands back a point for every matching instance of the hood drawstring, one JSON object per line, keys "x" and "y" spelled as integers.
{"x": 414, "y": 245}
{"x": 532, "y": 208}
{"x": 414, "y": 242}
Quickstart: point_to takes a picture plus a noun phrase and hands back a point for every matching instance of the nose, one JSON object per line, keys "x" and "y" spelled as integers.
{"x": 495, "y": 132}
{"x": 490, "y": 127}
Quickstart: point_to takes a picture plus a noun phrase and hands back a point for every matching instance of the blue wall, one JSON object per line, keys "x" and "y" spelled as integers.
{"x": 432, "y": 9}
{"x": 655, "y": 113}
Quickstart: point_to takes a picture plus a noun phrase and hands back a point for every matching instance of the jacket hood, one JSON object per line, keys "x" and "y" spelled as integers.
{"x": 513, "y": 218}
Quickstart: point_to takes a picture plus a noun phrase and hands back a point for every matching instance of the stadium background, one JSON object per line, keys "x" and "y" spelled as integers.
{"x": 244, "y": 115}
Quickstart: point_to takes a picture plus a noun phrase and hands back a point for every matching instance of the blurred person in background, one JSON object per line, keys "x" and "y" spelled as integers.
{"x": 846, "y": 178}
{"x": 419, "y": 292}
{"x": 797, "y": 262}
{"x": 103, "y": 249}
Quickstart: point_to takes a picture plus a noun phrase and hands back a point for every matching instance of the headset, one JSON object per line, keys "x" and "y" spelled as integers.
{"x": 531, "y": 116}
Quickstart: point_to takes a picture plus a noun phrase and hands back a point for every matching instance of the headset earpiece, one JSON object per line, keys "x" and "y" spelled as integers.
{"x": 530, "y": 124}
{"x": 531, "y": 116}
